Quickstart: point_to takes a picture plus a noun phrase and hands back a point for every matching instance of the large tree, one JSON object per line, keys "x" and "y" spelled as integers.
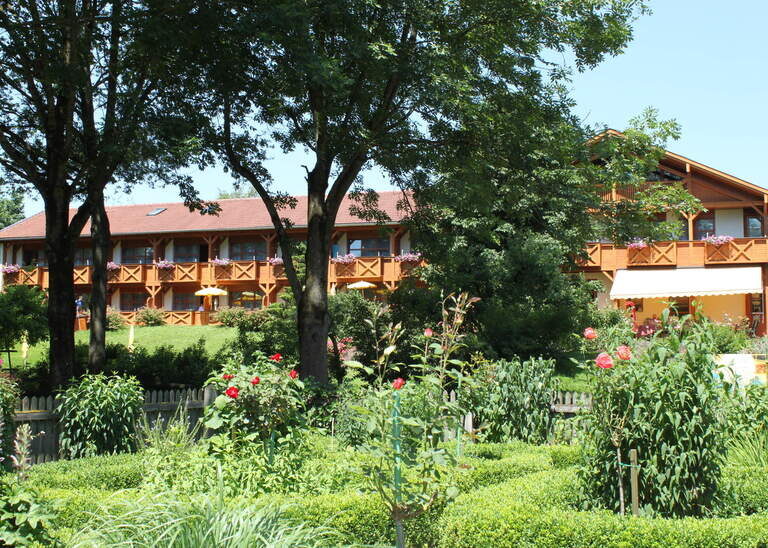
{"x": 80, "y": 100}
{"x": 521, "y": 191}
{"x": 11, "y": 206}
{"x": 359, "y": 84}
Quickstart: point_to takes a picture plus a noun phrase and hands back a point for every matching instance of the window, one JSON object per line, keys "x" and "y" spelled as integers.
{"x": 704, "y": 226}
{"x": 32, "y": 257}
{"x": 186, "y": 301}
{"x": 681, "y": 305}
{"x": 248, "y": 251}
{"x": 753, "y": 225}
{"x": 137, "y": 255}
{"x": 156, "y": 211}
{"x": 132, "y": 301}
{"x": 246, "y": 299}
{"x": 83, "y": 256}
{"x": 369, "y": 247}
{"x": 186, "y": 253}
{"x": 756, "y": 303}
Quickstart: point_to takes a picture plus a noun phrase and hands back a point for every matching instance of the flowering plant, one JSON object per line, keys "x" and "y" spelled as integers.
{"x": 275, "y": 261}
{"x": 220, "y": 262}
{"x": 10, "y": 269}
{"x": 257, "y": 400}
{"x": 411, "y": 257}
{"x": 718, "y": 240}
{"x": 344, "y": 259}
{"x": 637, "y": 244}
{"x": 112, "y": 266}
{"x": 165, "y": 265}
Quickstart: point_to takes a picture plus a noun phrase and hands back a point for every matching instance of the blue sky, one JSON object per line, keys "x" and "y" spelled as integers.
{"x": 701, "y": 62}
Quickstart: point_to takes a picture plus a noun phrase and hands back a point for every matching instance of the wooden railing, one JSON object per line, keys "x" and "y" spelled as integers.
{"x": 382, "y": 269}
{"x": 677, "y": 253}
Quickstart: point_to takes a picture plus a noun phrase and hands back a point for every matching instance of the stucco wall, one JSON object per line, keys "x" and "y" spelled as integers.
{"x": 715, "y": 307}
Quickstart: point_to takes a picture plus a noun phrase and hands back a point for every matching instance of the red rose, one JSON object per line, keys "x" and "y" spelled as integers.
{"x": 232, "y": 392}
{"x": 398, "y": 383}
{"x": 293, "y": 374}
{"x": 227, "y": 377}
{"x": 276, "y": 357}
{"x": 428, "y": 332}
{"x": 604, "y": 360}
{"x": 624, "y": 352}
{"x": 590, "y": 333}
{"x": 255, "y": 381}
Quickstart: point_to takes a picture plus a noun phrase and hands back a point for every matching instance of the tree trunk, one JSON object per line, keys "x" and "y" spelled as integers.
{"x": 100, "y": 236}
{"x": 312, "y": 308}
{"x": 59, "y": 249}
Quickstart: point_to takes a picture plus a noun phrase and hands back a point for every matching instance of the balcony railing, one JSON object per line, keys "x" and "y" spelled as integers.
{"x": 677, "y": 253}
{"x": 374, "y": 269}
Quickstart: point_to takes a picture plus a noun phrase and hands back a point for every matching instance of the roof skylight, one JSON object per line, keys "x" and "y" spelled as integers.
{"x": 156, "y": 211}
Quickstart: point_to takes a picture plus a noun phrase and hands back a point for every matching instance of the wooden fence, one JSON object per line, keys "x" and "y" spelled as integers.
{"x": 40, "y": 413}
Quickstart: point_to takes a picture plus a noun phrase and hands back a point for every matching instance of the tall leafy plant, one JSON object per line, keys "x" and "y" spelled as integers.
{"x": 665, "y": 404}
{"x": 8, "y": 396}
{"x": 514, "y": 403}
{"x": 99, "y": 415}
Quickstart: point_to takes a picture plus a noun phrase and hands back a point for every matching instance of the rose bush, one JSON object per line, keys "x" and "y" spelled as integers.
{"x": 259, "y": 400}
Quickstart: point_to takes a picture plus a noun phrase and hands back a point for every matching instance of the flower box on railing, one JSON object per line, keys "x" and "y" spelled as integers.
{"x": 10, "y": 269}
{"x": 220, "y": 262}
{"x": 718, "y": 240}
{"x": 412, "y": 258}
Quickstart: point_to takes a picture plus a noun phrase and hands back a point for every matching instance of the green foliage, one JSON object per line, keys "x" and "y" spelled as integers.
{"x": 230, "y": 316}
{"x": 348, "y": 311}
{"x": 150, "y": 317}
{"x": 749, "y": 448}
{"x": 115, "y": 320}
{"x": 164, "y": 365}
{"x": 666, "y": 405}
{"x": 23, "y": 519}
{"x": 743, "y": 490}
{"x": 162, "y": 520}
{"x": 513, "y": 399}
{"x": 23, "y": 315}
{"x": 107, "y": 473}
{"x": 9, "y": 393}
{"x": 728, "y": 339}
{"x": 538, "y": 510}
{"x": 257, "y": 401}
{"x": 11, "y": 206}
{"x": 744, "y": 411}
{"x": 269, "y": 330}
{"x": 98, "y": 415}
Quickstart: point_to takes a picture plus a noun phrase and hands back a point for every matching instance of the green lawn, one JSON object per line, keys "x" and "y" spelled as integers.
{"x": 151, "y": 337}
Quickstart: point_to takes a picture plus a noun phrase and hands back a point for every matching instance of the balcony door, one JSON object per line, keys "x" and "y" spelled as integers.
{"x": 704, "y": 225}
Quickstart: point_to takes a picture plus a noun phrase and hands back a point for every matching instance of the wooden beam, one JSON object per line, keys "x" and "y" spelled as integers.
{"x": 732, "y": 205}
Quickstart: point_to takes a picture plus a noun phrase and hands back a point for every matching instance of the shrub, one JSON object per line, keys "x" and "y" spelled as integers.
{"x": 514, "y": 402}
{"x": 98, "y": 415}
{"x": 744, "y": 410}
{"x": 8, "y": 395}
{"x": 476, "y": 473}
{"x": 537, "y": 510}
{"x": 107, "y": 473}
{"x": 665, "y": 405}
{"x": 263, "y": 398}
{"x": 23, "y": 521}
{"x": 150, "y": 317}
{"x": 231, "y": 316}
{"x": 743, "y": 490}
{"x": 271, "y": 329}
{"x": 22, "y": 315}
{"x": 76, "y": 508}
{"x": 728, "y": 340}
{"x": 115, "y": 320}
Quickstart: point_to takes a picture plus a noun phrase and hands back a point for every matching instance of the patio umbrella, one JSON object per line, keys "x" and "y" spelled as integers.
{"x": 361, "y": 285}
{"x": 210, "y": 292}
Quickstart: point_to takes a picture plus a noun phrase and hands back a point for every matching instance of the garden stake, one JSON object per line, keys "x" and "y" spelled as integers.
{"x": 621, "y": 482}
{"x": 633, "y": 479}
{"x": 458, "y": 428}
{"x": 396, "y": 430}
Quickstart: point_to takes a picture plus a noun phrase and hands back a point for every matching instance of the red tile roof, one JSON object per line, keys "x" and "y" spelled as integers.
{"x": 236, "y": 214}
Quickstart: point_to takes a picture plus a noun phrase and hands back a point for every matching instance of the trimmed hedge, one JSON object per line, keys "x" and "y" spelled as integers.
{"x": 538, "y": 510}
{"x": 743, "y": 491}
{"x": 108, "y": 473}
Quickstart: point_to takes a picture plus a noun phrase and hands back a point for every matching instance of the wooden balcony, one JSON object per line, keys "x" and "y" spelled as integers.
{"x": 676, "y": 254}
{"x": 374, "y": 269}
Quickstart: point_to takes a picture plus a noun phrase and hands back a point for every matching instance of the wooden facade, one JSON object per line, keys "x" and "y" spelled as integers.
{"x": 733, "y": 207}
{"x": 152, "y": 286}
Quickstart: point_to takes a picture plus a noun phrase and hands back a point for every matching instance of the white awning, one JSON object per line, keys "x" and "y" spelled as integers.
{"x": 686, "y": 282}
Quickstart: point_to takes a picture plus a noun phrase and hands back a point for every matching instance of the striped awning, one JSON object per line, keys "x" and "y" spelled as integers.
{"x": 686, "y": 282}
